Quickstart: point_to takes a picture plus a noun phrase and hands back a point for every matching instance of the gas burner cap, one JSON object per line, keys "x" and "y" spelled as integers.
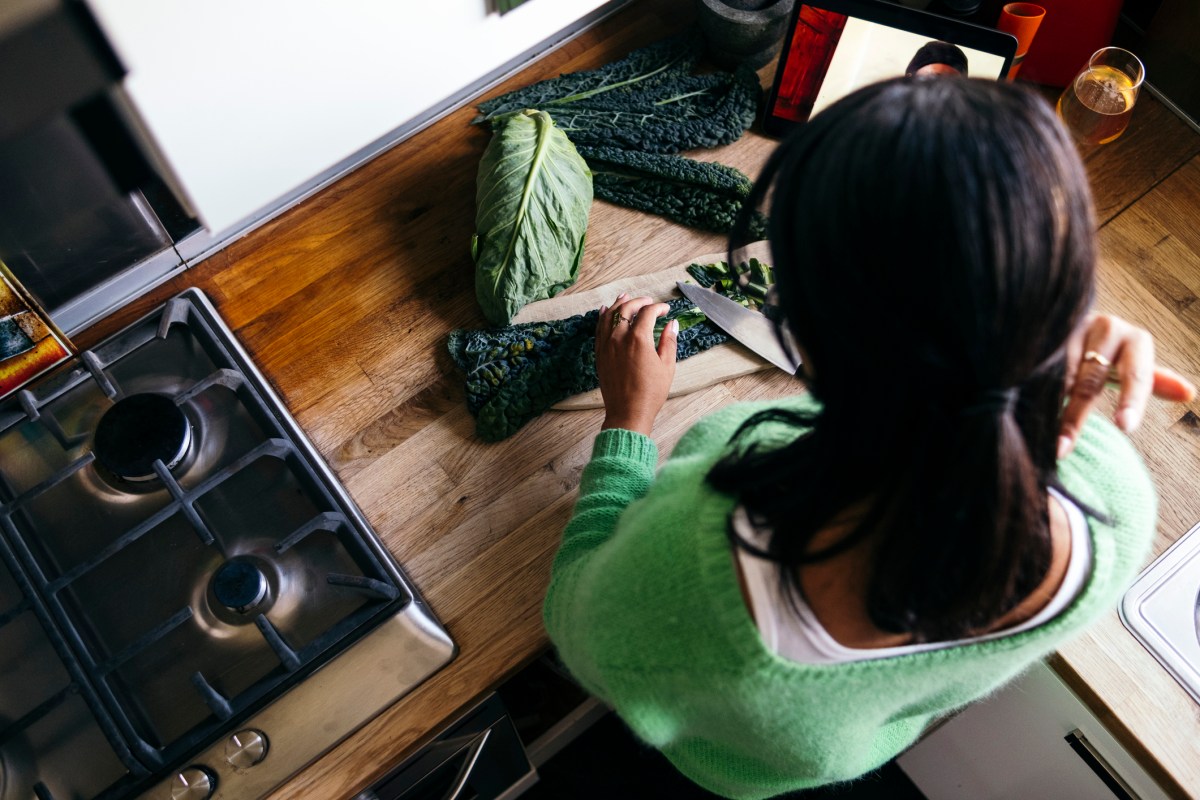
{"x": 138, "y": 430}
{"x": 240, "y": 586}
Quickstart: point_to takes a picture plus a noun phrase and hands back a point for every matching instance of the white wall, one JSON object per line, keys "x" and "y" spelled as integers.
{"x": 248, "y": 99}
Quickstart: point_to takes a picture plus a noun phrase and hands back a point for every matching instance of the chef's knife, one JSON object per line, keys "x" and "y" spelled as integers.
{"x": 750, "y": 328}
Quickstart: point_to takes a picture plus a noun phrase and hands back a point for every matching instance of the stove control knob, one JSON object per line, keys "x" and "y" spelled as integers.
{"x": 193, "y": 783}
{"x": 246, "y": 748}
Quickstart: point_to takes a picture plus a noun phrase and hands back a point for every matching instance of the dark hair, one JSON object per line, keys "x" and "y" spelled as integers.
{"x": 934, "y": 247}
{"x": 938, "y": 53}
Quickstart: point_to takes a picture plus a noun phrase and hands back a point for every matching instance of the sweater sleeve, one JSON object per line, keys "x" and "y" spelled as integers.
{"x": 1106, "y": 473}
{"x": 620, "y": 471}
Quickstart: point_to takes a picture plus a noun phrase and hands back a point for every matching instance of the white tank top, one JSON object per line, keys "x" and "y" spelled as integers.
{"x": 798, "y": 635}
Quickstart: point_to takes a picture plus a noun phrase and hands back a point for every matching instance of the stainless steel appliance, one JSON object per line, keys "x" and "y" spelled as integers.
{"x": 1162, "y": 609}
{"x": 190, "y": 603}
{"x": 479, "y": 757}
{"x": 87, "y": 219}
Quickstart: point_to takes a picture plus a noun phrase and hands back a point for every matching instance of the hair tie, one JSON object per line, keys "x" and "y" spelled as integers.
{"x": 992, "y": 401}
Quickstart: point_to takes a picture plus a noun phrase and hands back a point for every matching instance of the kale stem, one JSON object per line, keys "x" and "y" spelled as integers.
{"x": 677, "y": 98}
{"x": 571, "y": 98}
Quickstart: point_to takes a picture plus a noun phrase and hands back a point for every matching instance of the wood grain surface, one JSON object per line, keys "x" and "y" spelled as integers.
{"x": 345, "y": 303}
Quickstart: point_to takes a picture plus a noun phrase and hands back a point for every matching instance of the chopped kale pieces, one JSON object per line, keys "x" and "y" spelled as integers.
{"x": 749, "y": 283}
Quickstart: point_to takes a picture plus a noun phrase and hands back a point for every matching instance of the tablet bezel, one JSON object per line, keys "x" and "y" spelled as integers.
{"x": 911, "y": 20}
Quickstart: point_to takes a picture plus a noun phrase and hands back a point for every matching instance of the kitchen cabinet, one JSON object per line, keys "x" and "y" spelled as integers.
{"x": 251, "y": 104}
{"x": 81, "y": 205}
{"x": 1033, "y": 739}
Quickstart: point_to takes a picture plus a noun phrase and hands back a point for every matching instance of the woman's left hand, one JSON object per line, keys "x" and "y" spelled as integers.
{"x": 1110, "y": 349}
{"x": 635, "y": 374}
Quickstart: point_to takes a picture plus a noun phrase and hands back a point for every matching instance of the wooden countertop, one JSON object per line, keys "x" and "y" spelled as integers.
{"x": 345, "y": 303}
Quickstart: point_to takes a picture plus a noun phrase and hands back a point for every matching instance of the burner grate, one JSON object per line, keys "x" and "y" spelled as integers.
{"x": 117, "y": 667}
{"x": 121, "y": 770}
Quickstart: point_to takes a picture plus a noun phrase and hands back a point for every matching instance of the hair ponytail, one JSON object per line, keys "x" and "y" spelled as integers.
{"x": 934, "y": 245}
{"x": 979, "y": 481}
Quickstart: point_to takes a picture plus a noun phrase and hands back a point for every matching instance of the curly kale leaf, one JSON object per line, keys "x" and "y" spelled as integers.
{"x": 699, "y": 194}
{"x": 516, "y": 373}
{"x": 647, "y": 101}
{"x": 494, "y": 357}
{"x": 660, "y": 62}
{"x": 688, "y": 113}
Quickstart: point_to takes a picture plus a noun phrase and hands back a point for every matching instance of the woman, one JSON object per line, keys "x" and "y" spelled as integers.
{"x": 806, "y": 584}
{"x": 937, "y": 58}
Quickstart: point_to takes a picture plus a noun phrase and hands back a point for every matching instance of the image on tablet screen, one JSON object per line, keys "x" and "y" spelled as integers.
{"x": 831, "y": 54}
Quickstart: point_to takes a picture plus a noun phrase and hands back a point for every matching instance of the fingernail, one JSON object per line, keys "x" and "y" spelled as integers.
{"x": 1127, "y": 419}
{"x": 674, "y": 326}
{"x": 622, "y": 295}
{"x": 1064, "y": 446}
{"x": 603, "y": 308}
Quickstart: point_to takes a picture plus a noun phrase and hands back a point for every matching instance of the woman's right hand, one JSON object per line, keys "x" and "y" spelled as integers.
{"x": 1106, "y": 349}
{"x": 635, "y": 374}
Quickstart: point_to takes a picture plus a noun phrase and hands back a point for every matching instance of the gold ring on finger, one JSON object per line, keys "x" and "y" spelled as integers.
{"x": 617, "y": 319}
{"x": 1092, "y": 355}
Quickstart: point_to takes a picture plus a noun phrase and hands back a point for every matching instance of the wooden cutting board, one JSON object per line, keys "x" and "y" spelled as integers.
{"x": 720, "y": 363}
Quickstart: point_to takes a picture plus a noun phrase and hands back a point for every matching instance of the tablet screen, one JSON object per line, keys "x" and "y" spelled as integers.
{"x": 837, "y": 46}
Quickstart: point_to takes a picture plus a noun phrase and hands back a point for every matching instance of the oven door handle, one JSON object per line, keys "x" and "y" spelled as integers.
{"x": 482, "y": 753}
{"x": 473, "y": 750}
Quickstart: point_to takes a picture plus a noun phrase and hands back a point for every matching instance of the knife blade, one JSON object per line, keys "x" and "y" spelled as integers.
{"x": 750, "y": 328}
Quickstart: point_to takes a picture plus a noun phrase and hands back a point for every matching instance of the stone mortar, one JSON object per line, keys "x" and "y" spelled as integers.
{"x": 735, "y": 36}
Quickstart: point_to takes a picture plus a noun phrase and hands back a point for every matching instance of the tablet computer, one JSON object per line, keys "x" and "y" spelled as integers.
{"x": 835, "y": 46}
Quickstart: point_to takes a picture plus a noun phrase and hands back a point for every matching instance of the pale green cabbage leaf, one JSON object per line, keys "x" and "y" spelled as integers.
{"x": 533, "y": 195}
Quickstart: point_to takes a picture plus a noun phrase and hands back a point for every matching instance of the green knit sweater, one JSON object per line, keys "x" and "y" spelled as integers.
{"x": 645, "y": 609}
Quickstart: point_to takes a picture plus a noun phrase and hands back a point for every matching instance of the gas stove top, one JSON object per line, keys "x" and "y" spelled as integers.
{"x": 189, "y": 601}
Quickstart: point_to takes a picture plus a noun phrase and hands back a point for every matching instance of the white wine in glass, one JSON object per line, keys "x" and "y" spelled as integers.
{"x": 1097, "y": 104}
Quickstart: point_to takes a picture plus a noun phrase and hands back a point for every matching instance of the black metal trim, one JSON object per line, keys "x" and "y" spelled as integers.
{"x": 1084, "y": 750}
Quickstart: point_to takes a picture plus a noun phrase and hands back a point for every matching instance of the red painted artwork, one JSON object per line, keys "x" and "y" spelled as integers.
{"x": 813, "y": 43}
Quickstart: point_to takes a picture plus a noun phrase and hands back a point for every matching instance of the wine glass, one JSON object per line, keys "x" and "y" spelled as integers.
{"x": 1098, "y": 102}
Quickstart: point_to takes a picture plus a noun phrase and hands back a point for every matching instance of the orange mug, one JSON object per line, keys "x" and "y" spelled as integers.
{"x": 1022, "y": 21}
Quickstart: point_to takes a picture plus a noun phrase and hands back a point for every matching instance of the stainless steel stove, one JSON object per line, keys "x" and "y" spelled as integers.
{"x": 190, "y": 603}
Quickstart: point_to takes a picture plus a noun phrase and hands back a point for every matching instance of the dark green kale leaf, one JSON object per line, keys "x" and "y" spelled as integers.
{"x": 647, "y": 101}
{"x": 516, "y": 373}
{"x": 685, "y": 113}
{"x": 662, "y": 61}
{"x": 699, "y": 194}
